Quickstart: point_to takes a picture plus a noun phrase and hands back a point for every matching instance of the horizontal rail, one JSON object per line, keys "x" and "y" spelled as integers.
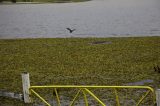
{"x": 74, "y": 86}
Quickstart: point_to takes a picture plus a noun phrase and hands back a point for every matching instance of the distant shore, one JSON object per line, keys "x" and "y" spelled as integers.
{"x": 40, "y": 1}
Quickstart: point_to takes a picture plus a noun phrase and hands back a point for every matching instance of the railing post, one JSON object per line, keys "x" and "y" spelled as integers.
{"x": 26, "y": 86}
{"x": 158, "y": 97}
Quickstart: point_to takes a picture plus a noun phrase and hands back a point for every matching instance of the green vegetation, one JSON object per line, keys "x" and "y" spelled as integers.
{"x": 76, "y": 61}
{"x": 45, "y": 1}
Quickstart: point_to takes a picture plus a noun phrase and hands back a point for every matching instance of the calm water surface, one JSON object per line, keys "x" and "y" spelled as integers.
{"x": 97, "y": 18}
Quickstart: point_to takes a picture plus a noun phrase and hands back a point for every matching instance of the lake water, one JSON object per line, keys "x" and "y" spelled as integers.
{"x": 96, "y": 18}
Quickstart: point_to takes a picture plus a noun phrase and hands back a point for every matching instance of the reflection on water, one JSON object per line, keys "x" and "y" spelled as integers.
{"x": 143, "y": 82}
{"x": 97, "y": 18}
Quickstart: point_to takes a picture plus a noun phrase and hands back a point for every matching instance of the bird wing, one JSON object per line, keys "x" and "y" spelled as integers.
{"x": 68, "y": 29}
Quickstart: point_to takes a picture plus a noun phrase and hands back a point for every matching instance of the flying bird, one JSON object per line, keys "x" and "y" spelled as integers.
{"x": 70, "y": 30}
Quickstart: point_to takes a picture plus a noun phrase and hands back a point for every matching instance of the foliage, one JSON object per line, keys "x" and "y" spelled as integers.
{"x": 77, "y": 61}
{"x": 52, "y": 1}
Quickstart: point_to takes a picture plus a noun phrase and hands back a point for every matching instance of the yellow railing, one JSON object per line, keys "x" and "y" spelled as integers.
{"x": 85, "y": 90}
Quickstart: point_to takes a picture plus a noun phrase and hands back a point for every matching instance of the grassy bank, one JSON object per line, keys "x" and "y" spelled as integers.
{"x": 79, "y": 61}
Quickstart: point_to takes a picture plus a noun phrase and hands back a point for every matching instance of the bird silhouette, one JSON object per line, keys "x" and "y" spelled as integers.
{"x": 157, "y": 69}
{"x": 70, "y": 30}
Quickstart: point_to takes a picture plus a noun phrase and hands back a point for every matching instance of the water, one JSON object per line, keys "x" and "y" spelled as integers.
{"x": 97, "y": 18}
{"x": 142, "y": 82}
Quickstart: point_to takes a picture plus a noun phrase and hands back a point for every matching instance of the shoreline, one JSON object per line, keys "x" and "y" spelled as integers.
{"x": 8, "y": 2}
{"x": 133, "y": 36}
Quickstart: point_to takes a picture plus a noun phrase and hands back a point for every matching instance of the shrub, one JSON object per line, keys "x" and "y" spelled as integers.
{"x": 13, "y": 1}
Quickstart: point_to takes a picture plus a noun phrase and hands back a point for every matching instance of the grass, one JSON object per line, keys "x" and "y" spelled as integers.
{"x": 76, "y": 61}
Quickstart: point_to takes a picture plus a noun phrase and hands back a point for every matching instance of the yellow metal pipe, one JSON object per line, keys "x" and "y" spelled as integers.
{"x": 40, "y": 97}
{"x": 113, "y": 87}
{"x": 117, "y": 98}
{"x": 95, "y": 97}
{"x": 143, "y": 97}
{"x": 71, "y": 104}
{"x": 74, "y": 86}
{"x": 85, "y": 98}
{"x": 58, "y": 100}
{"x": 154, "y": 97}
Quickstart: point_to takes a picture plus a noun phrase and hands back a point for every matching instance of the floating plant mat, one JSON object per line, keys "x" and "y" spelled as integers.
{"x": 101, "y": 42}
{"x": 142, "y": 82}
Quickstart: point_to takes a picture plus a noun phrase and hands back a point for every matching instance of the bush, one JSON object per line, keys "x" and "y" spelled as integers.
{"x": 13, "y": 1}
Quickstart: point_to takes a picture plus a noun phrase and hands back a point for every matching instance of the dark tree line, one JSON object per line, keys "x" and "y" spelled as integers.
{"x": 13, "y": 1}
